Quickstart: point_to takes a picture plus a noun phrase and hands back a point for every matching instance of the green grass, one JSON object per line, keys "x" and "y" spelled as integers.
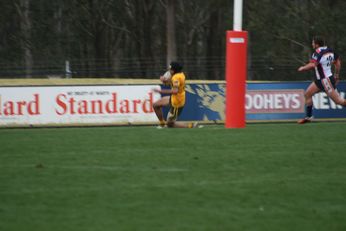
{"x": 264, "y": 177}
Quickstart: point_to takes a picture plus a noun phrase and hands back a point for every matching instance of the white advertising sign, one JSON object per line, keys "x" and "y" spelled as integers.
{"x": 77, "y": 105}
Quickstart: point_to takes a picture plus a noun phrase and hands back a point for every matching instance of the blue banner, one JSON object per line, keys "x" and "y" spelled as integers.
{"x": 264, "y": 101}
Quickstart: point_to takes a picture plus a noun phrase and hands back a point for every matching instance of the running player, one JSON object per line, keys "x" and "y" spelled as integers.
{"x": 322, "y": 60}
{"x": 175, "y": 101}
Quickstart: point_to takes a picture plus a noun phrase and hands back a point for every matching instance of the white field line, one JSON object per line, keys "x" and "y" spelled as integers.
{"x": 98, "y": 167}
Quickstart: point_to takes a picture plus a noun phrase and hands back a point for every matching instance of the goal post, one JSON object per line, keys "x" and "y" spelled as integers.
{"x": 236, "y": 71}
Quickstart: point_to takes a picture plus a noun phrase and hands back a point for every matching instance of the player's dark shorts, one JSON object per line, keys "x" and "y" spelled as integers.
{"x": 174, "y": 112}
{"x": 324, "y": 84}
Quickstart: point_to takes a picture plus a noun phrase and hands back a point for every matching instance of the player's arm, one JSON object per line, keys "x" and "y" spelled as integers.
{"x": 308, "y": 66}
{"x": 165, "y": 81}
{"x": 173, "y": 90}
{"x": 164, "y": 91}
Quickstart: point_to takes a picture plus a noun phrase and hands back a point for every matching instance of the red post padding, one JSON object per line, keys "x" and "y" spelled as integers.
{"x": 236, "y": 73}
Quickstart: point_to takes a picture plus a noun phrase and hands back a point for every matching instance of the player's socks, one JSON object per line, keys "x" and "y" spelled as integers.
{"x": 162, "y": 123}
{"x": 308, "y": 118}
{"x": 309, "y": 111}
{"x": 195, "y": 125}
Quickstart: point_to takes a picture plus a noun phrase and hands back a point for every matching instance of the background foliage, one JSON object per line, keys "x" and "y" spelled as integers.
{"x": 129, "y": 38}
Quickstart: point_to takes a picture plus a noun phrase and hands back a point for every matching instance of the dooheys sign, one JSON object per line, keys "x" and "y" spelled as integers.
{"x": 77, "y": 104}
{"x": 274, "y": 101}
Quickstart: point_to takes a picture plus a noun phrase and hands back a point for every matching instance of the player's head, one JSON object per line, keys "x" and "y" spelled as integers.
{"x": 176, "y": 67}
{"x": 318, "y": 41}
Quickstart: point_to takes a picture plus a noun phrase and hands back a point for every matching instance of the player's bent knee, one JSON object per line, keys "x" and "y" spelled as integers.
{"x": 340, "y": 101}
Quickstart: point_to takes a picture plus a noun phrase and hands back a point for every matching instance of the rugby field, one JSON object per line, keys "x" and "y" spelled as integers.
{"x": 264, "y": 177}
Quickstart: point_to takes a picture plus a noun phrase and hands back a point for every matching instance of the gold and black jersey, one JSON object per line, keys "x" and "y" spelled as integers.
{"x": 178, "y": 81}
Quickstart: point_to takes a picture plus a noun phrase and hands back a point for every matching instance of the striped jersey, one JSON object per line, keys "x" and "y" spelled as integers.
{"x": 324, "y": 57}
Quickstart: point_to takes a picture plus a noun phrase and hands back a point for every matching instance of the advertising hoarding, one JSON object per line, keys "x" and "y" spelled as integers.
{"x": 77, "y": 105}
{"x": 263, "y": 101}
{"x": 131, "y": 104}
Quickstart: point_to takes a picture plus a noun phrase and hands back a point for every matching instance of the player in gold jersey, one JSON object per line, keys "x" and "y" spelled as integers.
{"x": 176, "y": 100}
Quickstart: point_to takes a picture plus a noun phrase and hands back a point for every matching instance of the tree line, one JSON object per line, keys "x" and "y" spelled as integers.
{"x": 138, "y": 38}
